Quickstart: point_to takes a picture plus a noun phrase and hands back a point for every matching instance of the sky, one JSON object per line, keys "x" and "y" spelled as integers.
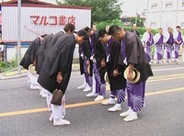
{"x": 134, "y": 5}
{"x": 129, "y": 7}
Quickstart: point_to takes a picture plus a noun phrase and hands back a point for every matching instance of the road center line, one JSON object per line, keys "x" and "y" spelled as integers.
{"x": 6, "y": 114}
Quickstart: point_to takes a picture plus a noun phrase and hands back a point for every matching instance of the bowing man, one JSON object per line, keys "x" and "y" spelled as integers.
{"x": 56, "y": 70}
{"x": 148, "y": 42}
{"x": 99, "y": 67}
{"x": 30, "y": 57}
{"x": 114, "y": 71}
{"x": 168, "y": 43}
{"x": 85, "y": 62}
{"x": 178, "y": 41}
{"x": 47, "y": 44}
{"x": 159, "y": 41}
{"x": 133, "y": 55}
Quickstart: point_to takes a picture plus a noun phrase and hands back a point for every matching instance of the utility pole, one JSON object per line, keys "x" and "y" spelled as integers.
{"x": 136, "y": 17}
{"x": 19, "y": 36}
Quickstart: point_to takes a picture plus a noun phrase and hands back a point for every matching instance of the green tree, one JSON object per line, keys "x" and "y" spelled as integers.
{"x": 102, "y": 10}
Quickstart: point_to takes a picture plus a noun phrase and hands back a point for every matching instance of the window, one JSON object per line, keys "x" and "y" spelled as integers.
{"x": 182, "y": 3}
{"x": 153, "y": 24}
{"x": 168, "y": 5}
{"x": 182, "y": 25}
{"x": 168, "y": 24}
{"x": 154, "y": 6}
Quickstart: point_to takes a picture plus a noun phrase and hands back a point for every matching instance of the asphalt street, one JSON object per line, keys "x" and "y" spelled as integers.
{"x": 23, "y": 112}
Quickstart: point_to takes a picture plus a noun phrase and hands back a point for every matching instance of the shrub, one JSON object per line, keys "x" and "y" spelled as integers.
{"x": 7, "y": 65}
{"x": 103, "y": 24}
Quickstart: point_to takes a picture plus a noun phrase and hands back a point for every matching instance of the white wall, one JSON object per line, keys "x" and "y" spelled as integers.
{"x": 163, "y": 16}
{"x": 11, "y": 53}
{"x": 29, "y": 30}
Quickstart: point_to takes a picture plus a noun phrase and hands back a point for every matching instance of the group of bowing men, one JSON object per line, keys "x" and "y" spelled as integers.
{"x": 99, "y": 53}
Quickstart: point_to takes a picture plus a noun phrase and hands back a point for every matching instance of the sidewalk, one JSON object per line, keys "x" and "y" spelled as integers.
{"x": 14, "y": 73}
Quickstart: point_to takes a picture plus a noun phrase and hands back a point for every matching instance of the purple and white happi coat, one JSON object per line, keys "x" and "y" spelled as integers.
{"x": 169, "y": 40}
{"x": 177, "y": 46}
{"x": 148, "y": 41}
{"x": 159, "y": 38}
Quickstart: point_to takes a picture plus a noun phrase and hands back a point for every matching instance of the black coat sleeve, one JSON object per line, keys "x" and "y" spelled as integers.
{"x": 59, "y": 55}
{"x": 86, "y": 49}
{"x": 115, "y": 50}
{"x": 30, "y": 55}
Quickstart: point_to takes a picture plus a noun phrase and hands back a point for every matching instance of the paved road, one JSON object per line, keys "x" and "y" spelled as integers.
{"x": 24, "y": 113}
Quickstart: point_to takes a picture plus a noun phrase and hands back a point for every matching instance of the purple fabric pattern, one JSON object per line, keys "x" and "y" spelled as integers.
{"x": 121, "y": 96}
{"x": 177, "y": 48}
{"x": 100, "y": 87}
{"x": 87, "y": 77}
{"x": 168, "y": 51}
{"x": 148, "y": 53}
{"x": 159, "y": 51}
{"x": 136, "y": 95}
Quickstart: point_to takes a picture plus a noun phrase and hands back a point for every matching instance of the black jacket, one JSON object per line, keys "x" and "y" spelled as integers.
{"x": 59, "y": 59}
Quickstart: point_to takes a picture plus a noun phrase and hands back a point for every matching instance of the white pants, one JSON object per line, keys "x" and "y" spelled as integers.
{"x": 93, "y": 83}
{"x": 57, "y": 111}
{"x": 33, "y": 79}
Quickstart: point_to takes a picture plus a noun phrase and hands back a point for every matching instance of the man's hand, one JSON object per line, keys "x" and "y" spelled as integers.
{"x": 115, "y": 73}
{"x": 103, "y": 63}
{"x": 59, "y": 77}
{"x": 130, "y": 72}
{"x": 34, "y": 63}
{"x": 87, "y": 62}
{"x": 130, "y": 76}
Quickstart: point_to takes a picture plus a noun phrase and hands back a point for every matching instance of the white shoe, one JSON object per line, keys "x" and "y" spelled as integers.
{"x": 92, "y": 94}
{"x": 155, "y": 62}
{"x": 99, "y": 98}
{"x": 60, "y": 122}
{"x": 160, "y": 62}
{"x": 126, "y": 113}
{"x": 82, "y": 86}
{"x": 87, "y": 89}
{"x": 110, "y": 101}
{"x": 165, "y": 61}
{"x": 177, "y": 60}
{"x": 131, "y": 117}
{"x": 29, "y": 81}
{"x": 116, "y": 107}
{"x": 34, "y": 87}
{"x": 51, "y": 118}
{"x": 43, "y": 93}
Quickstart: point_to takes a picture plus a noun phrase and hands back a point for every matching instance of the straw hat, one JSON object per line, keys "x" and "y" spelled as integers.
{"x": 136, "y": 75}
{"x": 31, "y": 69}
{"x": 106, "y": 77}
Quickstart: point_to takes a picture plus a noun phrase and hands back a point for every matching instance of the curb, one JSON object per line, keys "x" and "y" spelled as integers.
{"x": 23, "y": 74}
{"x": 11, "y": 77}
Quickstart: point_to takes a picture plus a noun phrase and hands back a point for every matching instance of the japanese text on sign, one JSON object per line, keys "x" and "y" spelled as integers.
{"x": 52, "y": 20}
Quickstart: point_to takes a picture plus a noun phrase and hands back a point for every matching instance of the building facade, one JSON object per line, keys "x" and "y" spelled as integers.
{"x": 38, "y": 18}
{"x": 165, "y": 13}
